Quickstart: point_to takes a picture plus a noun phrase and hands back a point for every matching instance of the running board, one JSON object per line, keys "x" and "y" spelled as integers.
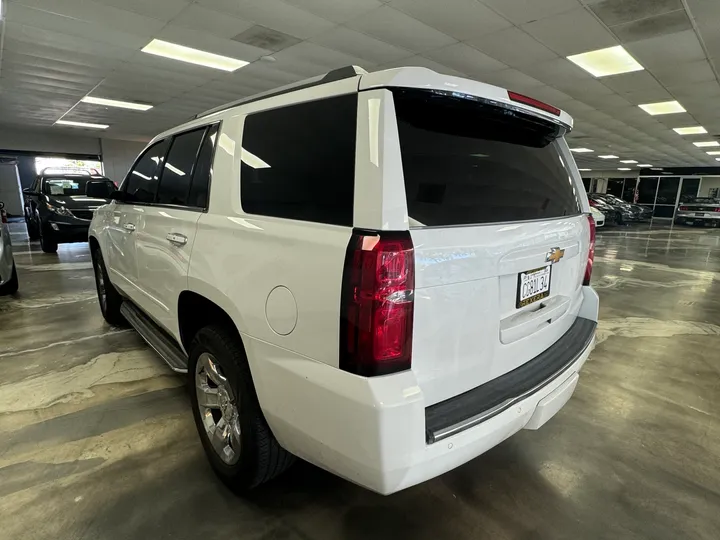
{"x": 156, "y": 337}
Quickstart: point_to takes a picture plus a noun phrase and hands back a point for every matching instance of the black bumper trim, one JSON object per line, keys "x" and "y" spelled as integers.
{"x": 462, "y": 412}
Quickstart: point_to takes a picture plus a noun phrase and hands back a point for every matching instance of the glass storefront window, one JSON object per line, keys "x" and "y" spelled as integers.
{"x": 647, "y": 190}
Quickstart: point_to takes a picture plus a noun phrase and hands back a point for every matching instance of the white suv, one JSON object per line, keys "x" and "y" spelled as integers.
{"x": 385, "y": 274}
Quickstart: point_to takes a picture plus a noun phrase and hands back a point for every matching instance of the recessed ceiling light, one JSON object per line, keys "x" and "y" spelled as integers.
{"x": 706, "y": 144}
{"x": 609, "y": 156}
{"x": 717, "y": 159}
{"x": 604, "y": 62}
{"x": 116, "y": 103}
{"x": 644, "y": 165}
{"x": 695, "y": 130}
{"x": 628, "y": 161}
{"x": 714, "y": 153}
{"x": 193, "y": 56}
{"x": 663, "y": 107}
{"x": 81, "y": 124}
{"x": 624, "y": 168}
{"x": 591, "y": 169}
{"x": 581, "y": 150}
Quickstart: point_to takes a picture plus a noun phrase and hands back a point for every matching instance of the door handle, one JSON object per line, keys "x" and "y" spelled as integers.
{"x": 129, "y": 227}
{"x": 177, "y": 239}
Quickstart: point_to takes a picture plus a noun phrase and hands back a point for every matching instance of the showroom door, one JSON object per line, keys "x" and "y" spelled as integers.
{"x": 666, "y": 199}
{"x": 689, "y": 189}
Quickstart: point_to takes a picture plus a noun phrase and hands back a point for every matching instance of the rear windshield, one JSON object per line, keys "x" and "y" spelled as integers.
{"x": 468, "y": 162}
{"x": 60, "y": 187}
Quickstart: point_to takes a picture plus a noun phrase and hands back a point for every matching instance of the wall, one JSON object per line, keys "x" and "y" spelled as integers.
{"x": 707, "y": 183}
{"x": 26, "y": 168}
{"x": 118, "y": 156}
{"x": 12, "y": 138}
{"x": 10, "y": 189}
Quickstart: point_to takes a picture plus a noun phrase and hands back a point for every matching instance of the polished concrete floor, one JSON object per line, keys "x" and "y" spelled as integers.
{"x": 97, "y": 439}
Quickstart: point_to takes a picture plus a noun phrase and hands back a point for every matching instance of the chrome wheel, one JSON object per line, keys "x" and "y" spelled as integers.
{"x": 100, "y": 281}
{"x": 218, "y": 408}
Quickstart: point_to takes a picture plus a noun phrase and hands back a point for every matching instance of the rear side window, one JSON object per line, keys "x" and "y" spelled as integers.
{"x": 467, "y": 162}
{"x": 298, "y": 162}
{"x": 142, "y": 180}
{"x": 201, "y": 176}
{"x": 178, "y": 168}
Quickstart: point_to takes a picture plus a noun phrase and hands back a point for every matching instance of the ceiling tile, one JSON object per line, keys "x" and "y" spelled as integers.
{"x": 360, "y": 45}
{"x": 613, "y": 12}
{"x": 660, "y": 25}
{"x": 395, "y": 27}
{"x": 339, "y": 11}
{"x": 207, "y": 42}
{"x": 466, "y": 59}
{"x": 670, "y": 50}
{"x": 163, "y": 10}
{"x": 524, "y": 11}
{"x": 461, "y": 19}
{"x": 203, "y": 19}
{"x": 699, "y": 71}
{"x": 572, "y": 32}
{"x": 512, "y": 47}
{"x": 274, "y": 14}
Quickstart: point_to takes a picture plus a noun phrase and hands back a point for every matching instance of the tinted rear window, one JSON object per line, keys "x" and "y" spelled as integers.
{"x": 467, "y": 162}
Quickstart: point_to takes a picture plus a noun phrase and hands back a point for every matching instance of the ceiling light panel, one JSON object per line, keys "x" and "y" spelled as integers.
{"x": 662, "y": 107}
{"x": 116, "y": 103}
{"x": 604, "y": 62}
{"x": 81, "y": 124}
{"x": 706, "y": 144}
{"x": 624, "y": 169}
{"x": 609, "y": 156}
{"x": 586, "y": 170}
{"x": 714, "y": 153}
{"x": 581, "y": 150}
{"x": 193, "y": 56}
{"x": 628, "y": 161}
{"x": 695, "y": 130}
{"x": 644, "y": 165}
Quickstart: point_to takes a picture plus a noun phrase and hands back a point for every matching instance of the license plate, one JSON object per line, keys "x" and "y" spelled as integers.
{"x": 700, "y": 214}
{"x": 533, "y": 285}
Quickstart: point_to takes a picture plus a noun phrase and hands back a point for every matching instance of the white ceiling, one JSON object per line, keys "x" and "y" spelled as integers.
{"x": 56, "y": 51}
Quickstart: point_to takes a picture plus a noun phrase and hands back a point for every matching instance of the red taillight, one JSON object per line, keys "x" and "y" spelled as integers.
{"x": 3, "y": 216}
{"x": 683, "y": 208}
{"x": 592, "y": 203}
{"x": 591, "y": 252}
{"x": 717, "y": 209}
{"x": 376, "y": 320}
{"x": 514, "y": 96}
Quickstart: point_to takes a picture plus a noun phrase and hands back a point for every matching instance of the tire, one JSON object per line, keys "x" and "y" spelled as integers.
{"x": 256, "y": 455}
{"x": 109, "y": 298}
{"x": 11, "y": 286}
{"x": 47, "y": 243}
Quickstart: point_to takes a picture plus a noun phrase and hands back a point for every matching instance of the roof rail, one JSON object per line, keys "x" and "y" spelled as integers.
{"x": 339, "y": 74}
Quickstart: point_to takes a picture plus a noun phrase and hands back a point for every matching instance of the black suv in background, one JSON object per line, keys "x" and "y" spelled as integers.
{"x": 57, "y": 210}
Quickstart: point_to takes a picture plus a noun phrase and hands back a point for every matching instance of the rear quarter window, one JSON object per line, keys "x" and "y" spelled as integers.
{"x": 298, "y": 162}
{"x": 468, "y": 162}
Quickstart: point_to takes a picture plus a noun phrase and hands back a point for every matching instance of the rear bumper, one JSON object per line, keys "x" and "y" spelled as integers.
{"x": 373, "y": 431}
{"x": 689, "y": 218}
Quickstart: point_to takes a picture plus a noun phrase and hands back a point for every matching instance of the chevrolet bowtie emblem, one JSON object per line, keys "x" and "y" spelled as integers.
{"x": 554, "y": 255}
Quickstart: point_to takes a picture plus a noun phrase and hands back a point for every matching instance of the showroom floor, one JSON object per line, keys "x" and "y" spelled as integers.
{"x": 97, "y": 438}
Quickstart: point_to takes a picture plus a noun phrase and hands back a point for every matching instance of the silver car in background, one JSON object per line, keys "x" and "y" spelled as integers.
{"x": 699, "y": 211}
{"x": 8, "y": 273}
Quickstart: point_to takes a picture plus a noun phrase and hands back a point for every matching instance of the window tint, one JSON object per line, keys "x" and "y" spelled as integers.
{"x": 298, "y": 162}
{"x": 201, "y": 177}
{"x": 467, "y": 162}
{"x": 178, "y": 168}
{"x": 142, "y": 179}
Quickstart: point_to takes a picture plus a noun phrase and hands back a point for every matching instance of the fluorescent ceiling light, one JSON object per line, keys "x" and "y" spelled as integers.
{"x": 644, "y": 165}
{"x": 695, "y": 130}
{"x": 714, "y": 153}
{"x": 604, "y": 62}
{"x": 624, "y": 168}
{"x": 193, "y": 56}
{"x": 609, "y": 156}
{"x": 717, "y": 159}
{"x": 628, "y": 161}
{"x": 591, "y": 169}
{"x": 581, "y": 150}
{"x": 81, "y": 124}
{"x": 116, "y": 103}
{"x": 663, "y": 107}
{"x": 706, "y": 144}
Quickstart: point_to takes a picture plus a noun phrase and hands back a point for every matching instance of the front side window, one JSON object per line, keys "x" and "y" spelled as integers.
{"x": 298, "y": 162}
{"x": 469, "y": 162}
{"x": 142, "y": 180}
{"x": 178, "y": 168}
